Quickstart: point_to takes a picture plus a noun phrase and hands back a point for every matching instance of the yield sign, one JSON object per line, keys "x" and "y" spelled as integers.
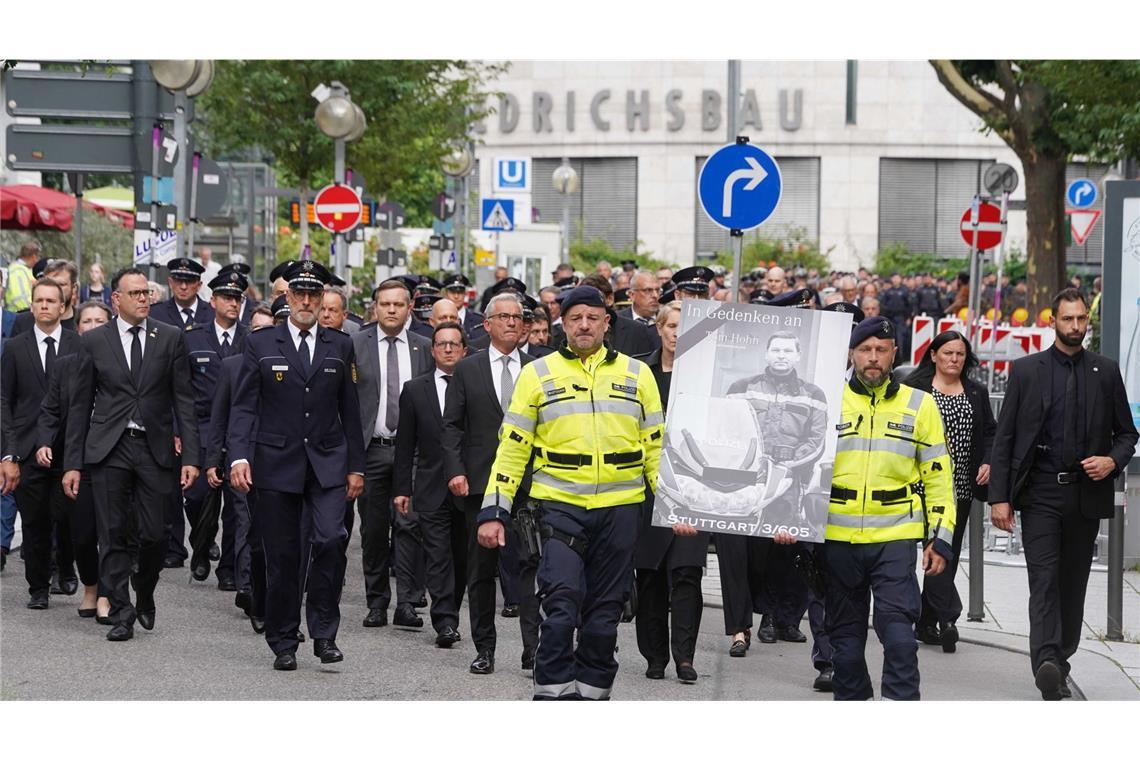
{"x": 1082, "y": 223}
{"x": 989, "y": 227}
{"x": 338, "y": 208}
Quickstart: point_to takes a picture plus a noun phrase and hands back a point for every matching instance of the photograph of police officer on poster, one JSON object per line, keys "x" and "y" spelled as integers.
{"x": 750, "y": 435}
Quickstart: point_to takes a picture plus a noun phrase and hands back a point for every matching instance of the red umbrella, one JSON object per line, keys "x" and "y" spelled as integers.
{"x": 30, "y": 207}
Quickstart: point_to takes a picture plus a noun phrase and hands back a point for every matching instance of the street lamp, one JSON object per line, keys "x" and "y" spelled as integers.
{"x": 565, "y": 181}
{"x": 342, "y": 120}
{"x": 457, "y": 165}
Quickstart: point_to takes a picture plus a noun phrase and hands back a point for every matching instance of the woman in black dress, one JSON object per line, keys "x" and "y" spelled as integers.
{"x": 969, "y": 423}
{"x": 669, "y": 562}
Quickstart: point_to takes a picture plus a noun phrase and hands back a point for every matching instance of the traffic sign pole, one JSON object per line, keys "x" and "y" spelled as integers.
{"x": 1000, "y": 261}
{"x": 975, "y": 292}
{"x": 192, "y": 208}
{"x": 78, "y": 191}
{"x": 338, "y": 238}
{"x": 180, "y": 104}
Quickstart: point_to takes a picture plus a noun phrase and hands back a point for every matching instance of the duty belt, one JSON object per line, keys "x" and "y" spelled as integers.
{"x": 847, "y": 494}
{"x": 585, "y": 460}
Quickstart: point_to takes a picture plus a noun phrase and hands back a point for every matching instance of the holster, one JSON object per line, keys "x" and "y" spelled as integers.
{"x": 812, "y": 571}
{"x": 528, "y": 525}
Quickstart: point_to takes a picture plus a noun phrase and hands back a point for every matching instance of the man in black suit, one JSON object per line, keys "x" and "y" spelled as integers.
{"x": 29, "y": 363}
{"x": 440, "y": 515}
{"x": 133, "y": 385}
{"x": 625, "y": 335}
{"x": 297, "y": 389}
{"x": 206, "y": 347}
{"x": 388, "y": 355}
{"x": 644, "y": 292}
{"x": 63, "y": 272}
{"x": 1064, "y": 433}
{"x": 477, "y": 395}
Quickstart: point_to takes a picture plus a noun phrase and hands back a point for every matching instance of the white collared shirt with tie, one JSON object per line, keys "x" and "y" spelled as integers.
{"x": 404, "y": 360}
{"x": 227, "y": 333}
{"x": 42, "y": 345}
{"x": 441, "y": 380}
{"x": 126, "y": 338}
{"x": 514, "y": 368}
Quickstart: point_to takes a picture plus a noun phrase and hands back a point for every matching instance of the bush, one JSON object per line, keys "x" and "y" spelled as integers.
{"x": 585, "y": 255}
{"x": 788, "y": 251}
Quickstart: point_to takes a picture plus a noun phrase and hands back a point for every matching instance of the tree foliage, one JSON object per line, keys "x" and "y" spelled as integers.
{"x": 416, "y": 109}
{"x": 790, "y": 250}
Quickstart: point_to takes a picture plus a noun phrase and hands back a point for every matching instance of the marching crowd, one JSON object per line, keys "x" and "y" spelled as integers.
{"x": 510, "y": 442}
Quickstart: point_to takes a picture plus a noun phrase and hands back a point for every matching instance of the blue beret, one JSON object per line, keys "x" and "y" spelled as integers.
{"x": 583, "y": 294}
{"x": 875, "y": 327}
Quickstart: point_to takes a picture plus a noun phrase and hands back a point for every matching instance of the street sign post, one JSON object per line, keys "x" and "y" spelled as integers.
{"x": 390, "y": 216}
{"x": 1081, "y": 193}
{"x": 1000, "y": 178}
{"x": 91, "y": 94}
{"x": 443, "y": 207}
{"x": 1081, "y": 223}
{"x": 987, "y": 226}
{"x": 338, "y": 208}
{"x": 498, "y": 214}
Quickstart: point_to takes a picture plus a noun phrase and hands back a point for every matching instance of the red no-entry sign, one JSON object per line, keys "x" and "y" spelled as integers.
{"x": 338, "y": 208}
{"x": 989, "y": 227}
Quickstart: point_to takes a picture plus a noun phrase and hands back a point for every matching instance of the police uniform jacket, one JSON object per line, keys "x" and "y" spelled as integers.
{"x": 220, "y": 413}
{"x": 168, "y": 311}
{"x": 204, "y": 354}
{"x": 655, "y": 543}
{"x": 300, "y": 418}
{"x": 793, "y": 415}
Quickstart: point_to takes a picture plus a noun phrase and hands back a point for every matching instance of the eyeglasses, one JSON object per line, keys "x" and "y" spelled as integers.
{"x": 135, "y": 294}
{"x": 655, "y": 291}
{"x": 506, "y": 317}
{"x": 448, "y": 345}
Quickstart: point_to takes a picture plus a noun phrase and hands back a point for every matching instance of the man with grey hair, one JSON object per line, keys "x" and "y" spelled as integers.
{"x": 870, "y": 307}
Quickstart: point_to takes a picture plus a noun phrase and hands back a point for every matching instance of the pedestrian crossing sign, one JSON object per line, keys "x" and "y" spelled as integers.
{"x": 498, "y": 214}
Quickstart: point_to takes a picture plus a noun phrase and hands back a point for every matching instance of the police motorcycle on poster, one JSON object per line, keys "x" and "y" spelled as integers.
{"x": 750, "y": 433}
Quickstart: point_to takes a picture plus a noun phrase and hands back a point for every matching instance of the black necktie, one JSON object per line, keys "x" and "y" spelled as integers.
{"x": 189, "y": 316}
{"x": 225, "y": 344}
{"x": 446, "y": 379}
{"x": 136, "y": 354}
{"x": 304, "y": 351}
{"x": 1069, "y": 446}
{"x": 49, "y": 357}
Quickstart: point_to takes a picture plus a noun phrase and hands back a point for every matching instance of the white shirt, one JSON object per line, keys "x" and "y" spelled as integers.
{"x": 497, "y": 368}
{"x": 126, "y": 339}
{"x": 193, "y": 307}
{"x": 295, "y": 333}
{"x": 220, "y": 331}
{"x": 404, "y": 361}
{"x": 441, "y": 387}
{"x": 42, "y": 345}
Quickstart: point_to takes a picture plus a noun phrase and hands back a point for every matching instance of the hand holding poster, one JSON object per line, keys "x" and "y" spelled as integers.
{"x": 750, "y": 434}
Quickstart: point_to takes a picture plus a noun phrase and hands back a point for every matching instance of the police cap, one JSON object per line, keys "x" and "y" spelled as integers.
{"x": 694, "y": 279}
{"x": 846, "y": 308}
{"x": 280, "y": 307}
{"x": 566, "y": 283}
{"x": 185, "y": 269}
{"x": 668, "y": 292}
{"x": 761, "y": 296}
{"x": 508, "y": 283}
{"x": 236, "y": 266}
{"x": 279, "y": 270}
{"x": 456, "y": 281}
{"x": 800, "y": 299}
{"x": 875, "y": 327}
{"x": 229, "y": 283}
{"x": 427, "y": 284}
{"x": 307, "y": 275}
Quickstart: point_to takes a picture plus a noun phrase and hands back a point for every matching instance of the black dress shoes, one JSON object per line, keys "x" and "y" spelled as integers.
{"x": 822, "y": 682}
{"x": 767, "y": 631}
{"x": 56, "y": 585}
{"x": 1049, "y": 680}
{"x": 949, "y": 637}
{"x": 445, "y": 638}
{"x": 215, "y": 553}
{"x": 1066, "y": 692}
{"x": 172, "y": 562}
{"x": 420, "y": 603}
{"x": 86, "y": 612}
{"x": 199, "y": 568}
{"x": 38, "y": 601}
{"x": 226, "y": 583}
{"x": 510, "y": 610}
{"x": 686, "y": 673}
{"x": 3, "y": 557}
{"x": 484, "y": 664}
{"x": 738, "y": 649}
{"x": 791, "y": 633}
{"x": 285, "y": 661}
{"x": 327, "y": 650}
{"x": 406, "y": 617}
{"x": 121, "y": 632}
{"x": 69, "y": 585}
{"x": 300, "y": 636}
{"x": 258, "y": 624}
{"x": 376, "y": 619}
{"x": 527, "y": 660}
{"x": 927, "y": 634}
{"x": 146, "y": 618}
{"x": 655, "y": 671}
{"x": 103, "y": 619}
{"x": 243, "y": 600}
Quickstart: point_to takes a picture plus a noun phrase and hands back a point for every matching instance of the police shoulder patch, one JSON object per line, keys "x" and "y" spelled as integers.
{"x": 354, "y": 372}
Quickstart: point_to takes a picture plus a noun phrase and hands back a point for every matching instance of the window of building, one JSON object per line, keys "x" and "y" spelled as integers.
{"x": 605, "y": 205}
{"x": 798, "y": 209}
{"x": 921, "y": 202}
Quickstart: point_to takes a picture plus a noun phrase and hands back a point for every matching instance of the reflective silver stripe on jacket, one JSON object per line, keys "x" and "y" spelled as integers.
{"x": 654, "y": 418}
{"x": 893, "y": 445}
{"x": 915, "y": 400}
{"x": 587, "y": 489}
{"x": 944, "y": 534}
{"x": 521, "y": 421}
{"x": 552, "y": 412}
{"x": 932, "y": 452}
{"x": 872, "y": 521}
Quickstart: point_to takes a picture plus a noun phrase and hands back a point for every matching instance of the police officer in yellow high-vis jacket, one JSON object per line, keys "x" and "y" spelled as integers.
{"x": 592, "y": 418}
{"x": 890, "y": 441}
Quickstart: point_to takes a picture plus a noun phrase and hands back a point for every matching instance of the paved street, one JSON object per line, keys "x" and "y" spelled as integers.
{"x": 203, "y": 648}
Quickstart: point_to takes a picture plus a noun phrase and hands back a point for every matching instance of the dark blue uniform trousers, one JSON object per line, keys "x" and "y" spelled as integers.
{"x": 854, "y": 572}
{"x": 296, "y": 528}
{"x": 585, "y": 593}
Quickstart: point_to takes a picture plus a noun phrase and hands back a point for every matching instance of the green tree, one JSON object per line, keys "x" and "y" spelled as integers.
{"x": 416, "y": 109}
{"x": 789, "y": 251}
{"x": 1047, "y": 112}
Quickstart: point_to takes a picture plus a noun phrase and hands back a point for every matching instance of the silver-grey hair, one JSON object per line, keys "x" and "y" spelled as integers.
{"x": 500, "y": 298}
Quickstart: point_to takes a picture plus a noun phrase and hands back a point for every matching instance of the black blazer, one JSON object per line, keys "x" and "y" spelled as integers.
{"x": 418, "y": 445}
{"x": 1110, "y": 431}
{"x": 23, "y": 386}
{"x": 471, "y": 420}
{"x": 368, "y": 372}
{"x": 654, "y": 336}
{"x": 981, "y": 431}
{"x": 205, "y": 367}
{"x": 654, "y": 541}
{"x": 105, "y": 394}
{"x": 215, "y": 444}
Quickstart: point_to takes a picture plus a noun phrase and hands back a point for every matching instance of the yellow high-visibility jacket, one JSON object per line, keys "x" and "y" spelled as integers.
{"x": 595, "y": 427}
{"x": 890, "y": 439}
{"x": 20, "y": 282}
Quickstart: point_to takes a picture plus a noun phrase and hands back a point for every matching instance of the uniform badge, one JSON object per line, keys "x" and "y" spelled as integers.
{"x": 354, "y": 373}
{"x": 279, "y": 376}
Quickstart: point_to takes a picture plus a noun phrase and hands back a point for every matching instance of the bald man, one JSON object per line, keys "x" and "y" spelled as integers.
{"x": 776, "y": 281}
{"x": 444, "y": 310}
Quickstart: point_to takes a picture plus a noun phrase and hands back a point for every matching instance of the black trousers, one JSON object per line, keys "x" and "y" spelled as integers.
{"x": 665, "y": 596}
{"x": 130, "y": 490}
{"x": 941, "y": 602}
{"x": 741, "y": 560}
{"x": 783, "y": 591}
{"x": 443, "y": 530}
{"x": 174, "y": 516}
{"x": 198, "y": 498}
{"x": 249, "y": 554}
{"x": 42, "y": 503}
{"x": 1058, "y": 544}
{"x": 380, "y": 526}
{"x": 85, "y": 534}
{"x": 283, "y": 520}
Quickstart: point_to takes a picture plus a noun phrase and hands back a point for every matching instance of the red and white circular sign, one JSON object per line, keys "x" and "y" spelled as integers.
{"x": 989, "y": 227}
{"x": 338, "y": 208}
